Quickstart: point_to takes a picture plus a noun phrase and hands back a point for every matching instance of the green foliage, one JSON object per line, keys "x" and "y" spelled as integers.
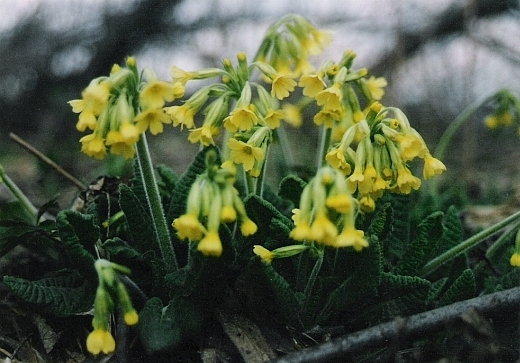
{"x": 291, "y": 188}
{"x": 402, "y": 295}
{"x": 64, "y": 294}
{"x": 462, "y": 288}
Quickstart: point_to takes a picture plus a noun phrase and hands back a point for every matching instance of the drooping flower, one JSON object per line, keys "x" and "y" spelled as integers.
{"x": 282, "y": 85}
{"x": 312, "y": 84}
{"x": 100, "y": 341}
{"x": 93, "y": 145}
{"x": 245, "y": 154}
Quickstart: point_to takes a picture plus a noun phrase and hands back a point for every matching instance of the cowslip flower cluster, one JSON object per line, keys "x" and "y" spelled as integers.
{"x": 327, "y": 213}
{"x": 110, "y": 292}
{"x": 506, "y": 113}
{"x": 121, "y": 106}
{"x": 212, "y": 200}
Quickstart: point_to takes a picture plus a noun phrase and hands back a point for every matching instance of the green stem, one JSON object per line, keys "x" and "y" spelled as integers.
{"x": 504, "y": 239}
{"x": 288, "y": 159}
{"x": 465, "y": 245}
{"x": 31, "y": 210}
{"x": 324, "y": 145}
{"x": 260, "y": 182}
{"x": 154, "y": 203}
{"x": 310, "y": 284}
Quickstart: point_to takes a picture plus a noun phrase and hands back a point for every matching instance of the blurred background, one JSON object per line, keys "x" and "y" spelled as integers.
{"x": 439, "y": 57}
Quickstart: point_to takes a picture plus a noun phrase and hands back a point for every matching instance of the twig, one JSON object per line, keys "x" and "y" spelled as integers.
{"x": 47, "y": 161}
{"x": 415, "y": 325}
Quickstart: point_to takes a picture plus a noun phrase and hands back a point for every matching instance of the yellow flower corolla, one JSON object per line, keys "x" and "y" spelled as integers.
{"x": 93, "y": 145}
{"x": 228, "y": 214}
{"x": 406, "y": 181}
{"x": 248, "y": 227}
{"x": 210, "y": 245}
{"x": 179, "y": 75}
{"x": 154, "y": 94}
{"x": 152, "y": 119}
{"x": 119, "y": 145}
{"x": 181, "y": 115}
{"x": 99, "y": 341}
{"x": 410, "y": 146}
{"x": 273, "y": 118}
{"x": 323, "y": 230}
{"x": 341, "y": 203}
{"x": 312, "y": 84}
{"x": 330, "y": 98}
{"x": 188, "y": 227}
{"x": 263, "y": 253}
{"x": 327, "y": 117}
{"x": 131, "y": 317}
{"x": 376, "y": 87}
{"x": 515, "y": 260}
{"x": 432, "y": 166}
{"x": 351, "y": 237}
{"x": 292, "y": 114}
{"x": 203, "y": 135}
{"x": 282, "y": 85}
{"x": 241, "y": 118}
{"x": 336, "y": 159}
{"x": 242, "y": 153}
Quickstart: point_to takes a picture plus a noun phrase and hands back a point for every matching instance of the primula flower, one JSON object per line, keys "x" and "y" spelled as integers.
{"x": 351, "y": 237}
{"x": 203, "y": 135}
{"x": 376, "y": 87}
{"x": 188, "y": 227}
{"x": 131, "y": 317}
{"x": 515, "y": 260}
{"x": 154, "y": 94}
{"x": 86, "y": 120}
{"x": 282, "y": 85}
{"x": 406, "y": 181}
{"x": 273, "y": 118}
{"x": 330, "y": 98}
{"x": 100, "y": 340}
{"x": 432, "y": 166}
{"x": 248, "y": 227}
{"x": 341, "y": 203}
{"x": 152, "y": 119}
{"x": 179, "y": 75}
{"x": 323, "y": 230}
{"x": 327, "y": 117}
{"x": 210, "y": 245}
{"x": 242, "y": 153}
{"x": 336, "y": 159}
{"x": 312, "y": 84}
{"x": 263, "y": 253}
{"x": 93, "y": 145}
{"x": 181, "y": 115}
{"x": 118, "y": 145}
{"x": 410, "y": 146}
{"x": 292, "y": 114}
{"x": 241, "y": 118}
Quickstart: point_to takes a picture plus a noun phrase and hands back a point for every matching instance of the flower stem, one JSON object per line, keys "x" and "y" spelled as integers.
{"x": 154, "y": 203}
{"x": 324, "y": 145}
{"x": 310, "y": 283}
{"x": 29, "y": 208}
{"x": 465, "y": 245}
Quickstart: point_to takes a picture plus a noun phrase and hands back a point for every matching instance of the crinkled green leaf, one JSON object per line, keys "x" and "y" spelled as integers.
{"x": 421, "y": 247}
{"x": 453, "y": 231}
{"x": 139, "y": 220}
{"x": 117, "y": 247}
{"x": 78, "y": 235}
{"x": 462, "y": 288}
{"x": 435, "y": 289}
{"x": 65, "y": 294}
{"x": 360, "y": 273}
{"x": 402, "y": 295}
{"x": 380, "y": 223}
{"x": 162, "y": 328}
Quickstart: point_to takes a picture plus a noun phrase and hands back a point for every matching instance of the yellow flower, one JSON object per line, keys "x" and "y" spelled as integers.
{"x": 93, "y": 145}
{"x": 336, "y": 159}
{"x": 341, "y": 203}
{"x": 282, "y": 84}
{"x": 263, "y": 253}
{"x": 273, "y": 118}
{"x": 242, "y": 153}
{"x": 406, "y": 181}
{"x": 248, "y": 227}
{"x": 301, "y": 232}
{"x": 181, "y": 115}
{"x": 210, "y": 245}
{"x": 154, "y": 94}
{"x": 95, "y": 96}
{"x": 203, "y": 135}
{"x": 120, "y": 146}
{"x": 432, "y": 166}
{"x": 312, "y": 84}
{"x": 327, "y": 117}
{"x": 131, "y": 317}
{"x": 367, "y": 204}
{"x": 490, "y": 121}
{"x": 241, "y": 118}
{"x": 188, "y": 227}
{"x": 331, "y": 97}
{"x": 351, "y": 237}
{"x": 410, "y": 146}
{"x": 515, "y": 259}
{"x": 179, "y": 75}
{"x": 293, "y": 114}
{"x": 152, "y": 119}
{"x": 228, "y": 214}
{"x": 323, "y": 230}
{"x": 375, "y": 87}
{"x": 99, "y": 341}
{"x": 86, "y": 119}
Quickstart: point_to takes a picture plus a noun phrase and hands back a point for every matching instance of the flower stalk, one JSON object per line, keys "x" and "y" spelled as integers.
{"x": 29, "y": 208}
{"x": 154, "y": 204}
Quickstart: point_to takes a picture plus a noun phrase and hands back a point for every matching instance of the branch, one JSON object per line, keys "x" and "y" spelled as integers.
{"x": 415, "y": 325}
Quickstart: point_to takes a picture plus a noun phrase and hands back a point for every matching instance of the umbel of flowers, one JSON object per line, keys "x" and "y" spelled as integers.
{"x": 111, "y": 293}
{"x": 212, "y": 200}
